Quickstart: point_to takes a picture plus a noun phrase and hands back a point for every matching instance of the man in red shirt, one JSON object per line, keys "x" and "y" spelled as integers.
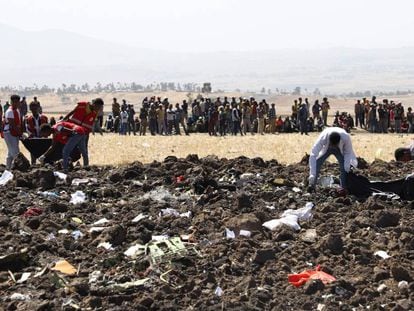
{"x": 68, "y": 134}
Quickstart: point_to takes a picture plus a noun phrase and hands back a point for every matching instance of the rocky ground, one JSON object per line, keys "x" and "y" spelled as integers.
{"x": 196, "y": 200}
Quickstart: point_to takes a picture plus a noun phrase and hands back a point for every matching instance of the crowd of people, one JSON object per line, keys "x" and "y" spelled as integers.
{"x": 219, "y": 117}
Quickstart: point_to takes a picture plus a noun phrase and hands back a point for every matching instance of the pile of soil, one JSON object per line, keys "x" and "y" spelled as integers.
{"x": 39, "y": 227}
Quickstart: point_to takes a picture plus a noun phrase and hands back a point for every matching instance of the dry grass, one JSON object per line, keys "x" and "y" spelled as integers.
{"x": 112, "y": 149}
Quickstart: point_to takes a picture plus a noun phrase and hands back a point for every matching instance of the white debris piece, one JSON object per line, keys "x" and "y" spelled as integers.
{"x": 139, "y": 218}
{"x": 105, "y": 245}
{"x": 5, "y": 177}
{"x": 97, "y": 229}
{"x": 291, "y": 218}
{"x": 135, "y": 250}
{"x": 78, "y": 197}
{"x": 60, "y": 175}
{"x": 25, "y": 276}
{"x": 101, "y": 221}
{"x": 20, "y": 297}
{"x": 382, "y": 254}
{"x": 218, "y": 292}
{"x": 381, "y": 288}
{"x": 230, "y": 234}
{"x": 245, "y": 233}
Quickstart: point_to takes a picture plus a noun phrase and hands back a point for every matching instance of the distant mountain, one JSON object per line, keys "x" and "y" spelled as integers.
{"x": 54, "y": 56}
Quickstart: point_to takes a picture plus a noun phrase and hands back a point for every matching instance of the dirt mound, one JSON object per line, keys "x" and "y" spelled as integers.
{"x": 187, "y": 234}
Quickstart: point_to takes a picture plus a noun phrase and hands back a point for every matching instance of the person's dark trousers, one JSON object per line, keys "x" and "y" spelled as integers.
{"x": 153, "y": 126}
{"x": 222, "y": 128}
{"x": 131, "y": 128}
{"x": 356, "y": 119}
{"x": 235, "y": 127}
{"x": 303, "y": 127}
{"x": 177, "y": 127}
{"x": 339, "y": 156}
{"x": 361, "y": 120}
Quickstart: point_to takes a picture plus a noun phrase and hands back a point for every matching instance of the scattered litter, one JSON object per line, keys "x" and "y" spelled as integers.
{"x": 245, "y": 233}
{"x": 162, "y": 195}
{"x": 77, "y": 220}
{"x": 61, "y": 176}
{"x": 32, "y": 211}
{"x": 76, "y": 234}
{"x": 48, "y": 194}
{"x": 321, "y": 307}
{"x": 309, "y": 236}
{"x": 382, "y": 254}
{"x": 101, "y": 221}
{"x": 78, "y": 197}
{"x": 41, "y": 272}
{"x": 96, "y": 229}
{"x": 388, "y": 195}
{"x": 64, "y": 267}
{"x": 230, "y": 234}
{"x": 20, "y": 297}
{"x": 5, "y": 177}
{"x": 174, "y": 212}
{"x": 166, "y": 249}
{"x": 218, "y": 292}
{"x": 25, "y": 276}
{"x": 24, "y": 233}
{"x": 94, "y": 276}
{"x": 130, "y": 284}
{"x": 63, "y": 231}
{"x": 135, "y": 250}
{"x": 403, "y": 285}
{"x": 299, "y": 279}
{"x": 381, "y": 288}
{"x": 271, "y": 207}
{"x": 291, "y": 218}
{"x": 105, "y": 245}
{"x": 139, "y": 218}
{"x": 79, "y": 181}
{"x": 326, "y": 181}
{"x": 50, "y": 237}
{"x": 296, "y": 189}
{"x": 159, "y": 237}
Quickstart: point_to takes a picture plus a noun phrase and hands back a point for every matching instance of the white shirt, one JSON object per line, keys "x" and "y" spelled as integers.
{"x": 124, "y": 117}
{"x": 322, "y": 144}
{"x": 9, "y": 115}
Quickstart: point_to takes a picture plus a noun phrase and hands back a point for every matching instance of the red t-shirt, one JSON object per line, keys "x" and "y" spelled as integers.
{"x": 63, "y": 130}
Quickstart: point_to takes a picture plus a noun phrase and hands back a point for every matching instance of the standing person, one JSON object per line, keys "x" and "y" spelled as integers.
{"x": 116, "y": 108}
{"x": 131, "y": 120}
{"x": 316, "y": 109}
{"x": 124, "y": 121}
{"x": 246, "y": 115}
{"x": 33, "y": 124}
{"x": 143, "y": 117}
{"x": 180, "y": 119}
{"x": 325, "y": 110}
{"x": 212, "y": 120}
{"x": 271, "y": 115}
{"x": 152, "y": 119}
{"x": 23, "y": 107}
{"x": 13, "y": 129}
{"x": 302, "y": 118}
{"x": 170, "y": 119}
{"x": 235, "y": 119}
{"x": 335, "y": 141}
{"x": 162, "y": 130}
{"x": 260, "y": 118}
{"x": 71, "y": 136}
{"x": 36, "y": 102}
{"x": 34, "y": 121}
{"x": 222, "y": 121}
{"x": 399, "y": 114}
{"x": 410, "y": 119}
{"x": 358, "y": 111}
{"x": 383, "y": 119}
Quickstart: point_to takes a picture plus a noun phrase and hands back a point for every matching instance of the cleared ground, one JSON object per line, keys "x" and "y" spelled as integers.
{"x": 112, "y": 149}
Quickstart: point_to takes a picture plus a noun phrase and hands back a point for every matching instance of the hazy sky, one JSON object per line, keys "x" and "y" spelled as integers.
{"x": 211, "y": 25}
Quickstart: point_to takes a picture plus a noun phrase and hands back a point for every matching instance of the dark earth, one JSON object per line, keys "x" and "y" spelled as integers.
{"x": 212, "y": 272}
